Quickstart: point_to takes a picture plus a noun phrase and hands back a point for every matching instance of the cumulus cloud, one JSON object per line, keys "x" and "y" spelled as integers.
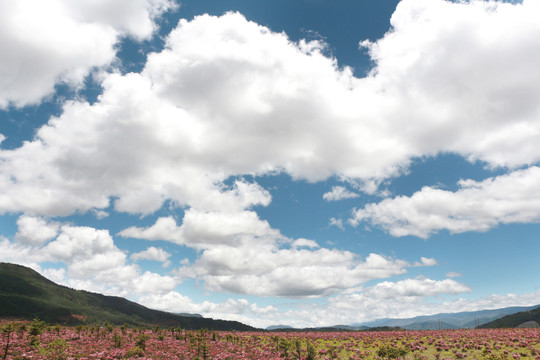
{"x": 231, "y": 309}
{"x": 244, "y": 255}
{"x": 201, "y": 229}
{"x": 35, "y": 231}
{"x": 426, "y": 262}
{"x": 222, "y": 85}
{"x": 457, "y": 80}
{"x": 90, "y": 259}
{"x": 48, "y": 42}
{"x": 153, "y": 253}
{"x": 89, "y": 253}
{"x": 416, "y": 288}
{"x": 56, "y": 275}
{"x": 476, "y": 206}
{"x": 305, "y": 243}
{"x": 186, "y": 146}
{"x": 337, "y": 223}
{"x": 289, "y": 273}
{"x": 15, "y": 252}
{"x": 339, "y": 193}
{"x": 113, "y": 275}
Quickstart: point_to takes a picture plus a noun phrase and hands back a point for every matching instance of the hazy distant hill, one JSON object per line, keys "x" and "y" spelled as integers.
{"x": 279, "y": 327}
{"x": 190, "y": 315}
{"x": 461, "y": 320}
{"x": 514, "y": 320}
{"x": 25, "y": 294}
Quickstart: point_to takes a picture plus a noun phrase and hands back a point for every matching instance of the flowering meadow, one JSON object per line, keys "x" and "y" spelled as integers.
{"x": 36, "y": 340}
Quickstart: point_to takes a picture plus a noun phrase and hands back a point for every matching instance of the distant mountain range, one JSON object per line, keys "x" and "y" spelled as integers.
{"x": 25, "y": 294}
{"x": 461, "y": 320}
{"x": 498, "y": 318}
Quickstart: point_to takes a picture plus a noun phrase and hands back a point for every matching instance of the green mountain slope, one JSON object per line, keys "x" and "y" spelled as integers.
{"x": 514, "y": 320}
{"x": 25, "y": 294}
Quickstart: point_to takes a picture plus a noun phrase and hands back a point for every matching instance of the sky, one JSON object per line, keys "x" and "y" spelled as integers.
{"x": 306, "y": 163}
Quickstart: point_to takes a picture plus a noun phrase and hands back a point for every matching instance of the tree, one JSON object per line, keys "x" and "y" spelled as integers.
{"x": 7, "y": 330}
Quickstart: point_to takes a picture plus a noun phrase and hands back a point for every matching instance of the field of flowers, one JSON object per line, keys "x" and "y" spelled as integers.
{"x": 36, "y": 340}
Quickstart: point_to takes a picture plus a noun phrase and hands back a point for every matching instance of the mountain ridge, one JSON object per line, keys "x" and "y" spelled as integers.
{"x": 515, "y": 320}
{"x": 459, "y": 320}
{"x": 26, "y": 294}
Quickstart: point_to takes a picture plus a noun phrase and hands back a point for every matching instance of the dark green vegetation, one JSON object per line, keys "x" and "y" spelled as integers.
{"x": 514, "y": 320}
{"x": 25, "y": 294}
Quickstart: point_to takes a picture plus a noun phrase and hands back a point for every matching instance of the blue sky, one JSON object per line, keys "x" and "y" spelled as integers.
{"x": 303, "y": 162}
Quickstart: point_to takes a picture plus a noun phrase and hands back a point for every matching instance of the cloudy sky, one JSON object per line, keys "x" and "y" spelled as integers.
{"x": 309, "y": 162}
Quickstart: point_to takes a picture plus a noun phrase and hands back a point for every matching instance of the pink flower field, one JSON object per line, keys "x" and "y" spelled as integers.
{"x": 35, "y": 340}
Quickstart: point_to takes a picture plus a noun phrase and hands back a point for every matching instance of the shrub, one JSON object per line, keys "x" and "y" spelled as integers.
{"x": 134, "y": 352}
{"x": 7, "y": 330}
{"x": 56, "y": 350}
{"x": 140, "y": 341}
{"x": 118, "y": 340}
{"x": 391, "y": 352}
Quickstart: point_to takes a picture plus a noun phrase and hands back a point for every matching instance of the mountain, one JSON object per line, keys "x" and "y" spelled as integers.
{"x": 25, "y": 294}
{"x": 515, "y": 320}
{"x": 279, "y": 327}
{"x": 335, "y": 328}
{"x": 190, "y": 315}
{"x": 461, "y": 320}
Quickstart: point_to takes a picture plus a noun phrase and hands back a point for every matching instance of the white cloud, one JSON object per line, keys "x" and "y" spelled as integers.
{"x": 129, "y": 17}
{"x": 114, "y": 276}
{"x": 35, "y": 231}
{"x": 90, "y": 259}
{"x": 416, "y": 288}
{"x": 265, "y": 269}
{"x": 153, "y": 253}
{"x": 202, "y": 229}
{"x": 56, "y": 275}
{"x": 416, "y": 297}
{"x": 48, "y": 42}
{"x": 152, "y": 283}
{"x": 100, "y": 214}
{"x": 339, "y": 193}
{"x": 165, "y": 228}
{"x": 305, "y": 243}
{"x": 14, "y": 252}
{"x": 461, "y": 77}
{"x": 426, "y": 262}
{"x": 476, "y": 206}
{"x": 241, "y": 254}
{"x": 197, "y": 114}
{"x": 453, "y": 274}
{"x": 337, "y": 223}
{"x": 251, "y": 86}
{"x": 151, "y": 140}
{"x": 87, "y": 252}
{"x": 231, "y": 309}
